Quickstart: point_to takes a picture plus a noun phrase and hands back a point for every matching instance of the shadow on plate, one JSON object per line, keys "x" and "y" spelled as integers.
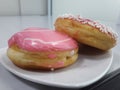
{"x": 87, "y": 50}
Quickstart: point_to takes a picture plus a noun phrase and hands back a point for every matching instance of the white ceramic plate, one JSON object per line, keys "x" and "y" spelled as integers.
{"x": 87, "y": 70}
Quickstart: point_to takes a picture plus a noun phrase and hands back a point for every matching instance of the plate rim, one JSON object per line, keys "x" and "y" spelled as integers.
{"x": 21, "y": 75}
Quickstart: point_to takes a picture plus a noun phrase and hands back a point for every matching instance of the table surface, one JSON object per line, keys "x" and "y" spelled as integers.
{"x": 11, "y": 24}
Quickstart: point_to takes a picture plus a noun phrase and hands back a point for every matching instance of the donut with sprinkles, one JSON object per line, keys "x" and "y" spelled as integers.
{"x": 86, "y": 31}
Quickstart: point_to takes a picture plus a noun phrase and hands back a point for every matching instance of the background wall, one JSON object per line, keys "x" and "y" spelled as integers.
{"x": 108, "y": 10}
{"x": 105, "y": 10}
{"x": 23, "y": 7}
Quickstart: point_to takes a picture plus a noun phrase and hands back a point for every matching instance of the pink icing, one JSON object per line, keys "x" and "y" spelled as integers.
{"x": 57, "y": 65}
{"x": 52, "y": 56}
{"x": 40, "y": 39}
{"x": 95, "y": 24}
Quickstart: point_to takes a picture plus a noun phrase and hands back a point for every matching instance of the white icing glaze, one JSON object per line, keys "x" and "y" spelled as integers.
{"x": 41, "y": 41}
{"x": 52, "y": 69}
{"x": 92, "y": 23}
{"x": 72, "y": 53}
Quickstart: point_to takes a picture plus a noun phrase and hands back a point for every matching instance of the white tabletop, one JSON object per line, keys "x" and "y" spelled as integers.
{"x": 10, "y": 25}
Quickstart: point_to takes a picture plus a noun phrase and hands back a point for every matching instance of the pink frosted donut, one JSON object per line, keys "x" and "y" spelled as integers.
{"x": 39, "y": 48}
